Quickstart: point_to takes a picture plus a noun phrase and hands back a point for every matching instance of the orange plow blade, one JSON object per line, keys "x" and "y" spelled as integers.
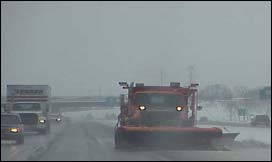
{"x": 170, "y": 137}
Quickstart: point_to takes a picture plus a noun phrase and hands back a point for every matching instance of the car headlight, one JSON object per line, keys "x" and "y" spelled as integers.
{"x": 42, "y": 121}
{"x": 14, "y": 130}
{"x": 58, "y": 119}
{"x": 142, "y": 107}
{"x": 179, "y": 108}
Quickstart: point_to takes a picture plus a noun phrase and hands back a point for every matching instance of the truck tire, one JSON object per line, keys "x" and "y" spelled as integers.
{"x": 119, "y": 141}
{"x": 42, "y": 132}
{"x": 45, "y": 131}
{"x": 116, "y": 141}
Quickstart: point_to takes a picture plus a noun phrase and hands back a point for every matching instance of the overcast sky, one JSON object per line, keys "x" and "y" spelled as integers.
{"x": 77, "y": 47}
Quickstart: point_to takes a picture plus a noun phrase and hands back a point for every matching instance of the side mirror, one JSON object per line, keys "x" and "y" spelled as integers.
{"x": 199, "y": 107}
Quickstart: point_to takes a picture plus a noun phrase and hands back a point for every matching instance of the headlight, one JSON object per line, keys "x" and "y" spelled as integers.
{"x": 15, "y": 130}
{"x": 58, "y": 119}
{"x": 179, "y": 108}
{"x": 141, "y": 107}
{"x": 42, "y": 121}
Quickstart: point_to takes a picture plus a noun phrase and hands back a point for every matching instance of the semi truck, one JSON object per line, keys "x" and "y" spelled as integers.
{"x": 32, "y": 103}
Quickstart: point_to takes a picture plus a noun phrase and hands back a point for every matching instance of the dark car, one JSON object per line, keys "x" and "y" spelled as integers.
{"x": 12, "y": 127}
{"x": 260, "y": 120}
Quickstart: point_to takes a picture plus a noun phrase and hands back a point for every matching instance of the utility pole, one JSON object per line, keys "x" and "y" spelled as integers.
{"x": 99, "y": 90}
{"x": 190, "y": 73}
{"x": 191, "y": 70}
{"x": 161, "y": 76}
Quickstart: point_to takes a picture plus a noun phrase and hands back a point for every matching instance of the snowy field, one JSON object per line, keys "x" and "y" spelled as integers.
{"x": 217, "y": 111}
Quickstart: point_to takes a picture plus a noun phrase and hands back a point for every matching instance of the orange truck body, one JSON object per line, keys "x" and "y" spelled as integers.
{"x": 161, "y": 115}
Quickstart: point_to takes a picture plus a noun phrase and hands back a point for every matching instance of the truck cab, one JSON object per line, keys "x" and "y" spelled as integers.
{"x": 159, "y": 106}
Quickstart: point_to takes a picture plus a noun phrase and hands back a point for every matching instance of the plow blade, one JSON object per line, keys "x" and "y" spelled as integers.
{"x": 227, "y": 139}
{"x": 167, "y": 137}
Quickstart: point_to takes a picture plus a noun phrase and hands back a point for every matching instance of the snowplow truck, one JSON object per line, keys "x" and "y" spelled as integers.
{"x": 164, "y": 117}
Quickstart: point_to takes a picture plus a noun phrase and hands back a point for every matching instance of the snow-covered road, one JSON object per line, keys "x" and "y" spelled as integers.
{"x": 90, "y": 137}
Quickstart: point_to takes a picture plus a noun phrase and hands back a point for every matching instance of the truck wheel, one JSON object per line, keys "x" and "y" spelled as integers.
{"x": 45, "y": 131}
{"x": 20, "y": 140}
{"x": 42, "y": 132}
{"x": 119, "y": 141}
{"x": 116, "y": 141}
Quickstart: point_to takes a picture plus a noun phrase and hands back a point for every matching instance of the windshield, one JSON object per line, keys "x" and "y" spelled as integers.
{"x": 27, "y": 107}
{"x": 159, "y": 100}
{"x": 9, "y": 119}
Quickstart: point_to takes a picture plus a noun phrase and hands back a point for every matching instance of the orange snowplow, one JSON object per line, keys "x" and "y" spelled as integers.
{"x": 164, "y": 116}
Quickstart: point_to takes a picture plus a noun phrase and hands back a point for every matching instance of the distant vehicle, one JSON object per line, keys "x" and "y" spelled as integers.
{"x": 32, "y": 103}
{"x": 260, "y": 120}
{"x": 56, "y": 117}
{"x": 12, "y": 127}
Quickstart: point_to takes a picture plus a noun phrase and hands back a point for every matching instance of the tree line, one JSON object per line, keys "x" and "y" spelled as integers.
{"x": 223, "y": 92}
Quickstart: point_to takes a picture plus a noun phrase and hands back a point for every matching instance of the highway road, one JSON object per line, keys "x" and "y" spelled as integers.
{"x": 33, "y": 146}
{"x": 90, "y": 137}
